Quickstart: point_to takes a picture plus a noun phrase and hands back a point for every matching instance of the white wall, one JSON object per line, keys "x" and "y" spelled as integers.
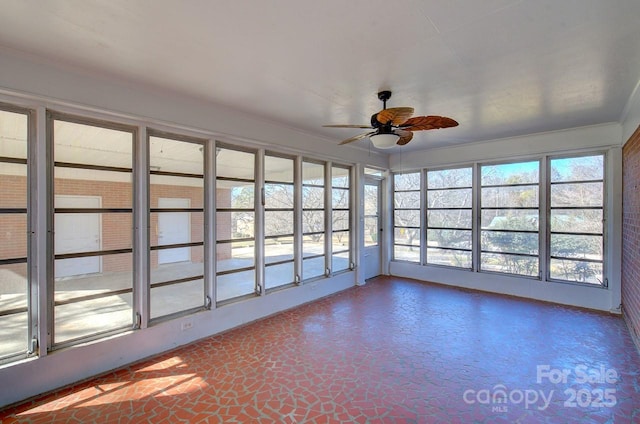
{"x": 27, "y": 81}
{"x": 607, "y": 138}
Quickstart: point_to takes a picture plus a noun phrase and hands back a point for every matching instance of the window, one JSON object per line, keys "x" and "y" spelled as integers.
{"x": 235, "y": 224}
{"x": 406, "y": 217}
{"x": 313, "y": 220}
{"x": 340, "y": 219}
{"x": 176, "y": 196}
{"x": 576, "y": 219}
{"x": 93, "y": 197}
{"x": 449, "y": 217}
{"x": 278, "y": 221}
{"x": 509, "y": 236}
{"x": 14, "y": 270}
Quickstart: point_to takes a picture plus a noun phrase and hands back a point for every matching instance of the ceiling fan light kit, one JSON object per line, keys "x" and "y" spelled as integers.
{"x": 384, "y": 141}
{"x": 395, "y": 126}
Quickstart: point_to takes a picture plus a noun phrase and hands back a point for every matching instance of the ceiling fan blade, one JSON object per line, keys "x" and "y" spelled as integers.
{"x": 394, "y": 115}
{"x": 356, "y": 138}
{"x": 405, "y": 137}
{"x": 347, "y": 126}
{"x": 431, "y": 122}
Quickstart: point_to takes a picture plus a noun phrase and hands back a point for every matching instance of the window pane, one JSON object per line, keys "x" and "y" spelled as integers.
{"x": 407, "y": 236}
{"x": 406, "y": 253}
{"x": 13, "y": 181}
{"x": 460, "y": 239}
{"x": 340, "y": 220}
{"x": 515, "y": 219}
{"x": 576, "y": 246}
{"x": 278, "y": 196}
{"x": 87, "y": 303}
{"x": 235, "y": 255}
{"x": 235, "y": 164}
{"x": 176, "y": 298}
{"x": 448, "y": 178}
{"x": 341, "y": 241}
{"x": 170, "y": 155}
{"x": 14, "y": 317}
{"x": 510, "y": 173}
{"x": 510, "y": 264}
{"x": 277, "y": 250}
{"x": 313, "y": 245}
{"x": 410, "y": 181}
{"x": 169, "y": 228}
{"x": 407, "y": 199}
{"x": 455, "y": 198}
{"x": 278, "y": 169}
{"x": 339, "y": 177}
{"x": 13, "y": 133}
{"x": 279, "y": 275}
{"x": 577, "y": 271}
{"x": 340, "y": 198}
{"x": 313, "y": 267}
{"x": 92, "y": 145}
{"x": 13, "y": 237}
{"x": 577, "y": 169}
{"x": 576, "y": 220}
{"x": 510, "y": 197}
{"x": 312, "y": 221}
{"x": 278, "y": 223}
{"x": 454, "y": 258}
{"x": 450, "y": 218}
{"x": 340, "y": 262}
{"x": 410, "y": 218}
{"x": 229, "y": 286}
{"x": 234, "y": 225}
{"x": 312, "y": 197}
{"x": 371, "y": 230}
{"x": 509, "y": 242}
{"x": 312, "y": 173}
{"x": 578, "y": 194}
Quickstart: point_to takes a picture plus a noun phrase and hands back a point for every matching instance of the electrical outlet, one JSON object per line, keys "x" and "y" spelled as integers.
{"x": 186, "y": 325}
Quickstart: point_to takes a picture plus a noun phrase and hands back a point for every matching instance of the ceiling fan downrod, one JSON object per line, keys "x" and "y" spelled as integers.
{"x": 384, "y": 96}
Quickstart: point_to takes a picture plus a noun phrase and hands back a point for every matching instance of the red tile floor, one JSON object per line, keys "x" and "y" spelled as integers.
{"x": 392, "y": 351}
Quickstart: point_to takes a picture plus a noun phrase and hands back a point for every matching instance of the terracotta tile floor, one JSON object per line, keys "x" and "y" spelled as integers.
{"x": 393, "y": 351}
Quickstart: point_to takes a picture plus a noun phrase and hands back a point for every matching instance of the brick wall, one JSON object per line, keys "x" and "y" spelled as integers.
{"x": 631, "y": 233}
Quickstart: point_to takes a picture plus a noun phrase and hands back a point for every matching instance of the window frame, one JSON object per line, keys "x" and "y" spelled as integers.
{"x": 471, "y": 209}
{"x": 266, "y": 209}
{"x": 421, "y": 226}
{"x": 206, "y": 298}
{"x": 325, "y": 220}
{"x": 539, "y": 208}
{"x": 51, "y": 117}
{"x": 605, "y": 212}
{"x": 32, "y": 287}
{"x": 349, "y": 209}
{"x": 255, "y": 239}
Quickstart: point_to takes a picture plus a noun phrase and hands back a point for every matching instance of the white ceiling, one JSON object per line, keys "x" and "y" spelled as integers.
{"x": 500, "y": 67}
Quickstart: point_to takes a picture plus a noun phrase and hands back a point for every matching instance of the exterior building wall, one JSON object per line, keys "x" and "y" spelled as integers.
{"x": 116, "y": 228}
{"x": 631, "y": 233}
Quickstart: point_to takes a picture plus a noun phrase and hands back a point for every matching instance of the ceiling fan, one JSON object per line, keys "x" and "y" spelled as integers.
{"x": 395, "y": 126}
